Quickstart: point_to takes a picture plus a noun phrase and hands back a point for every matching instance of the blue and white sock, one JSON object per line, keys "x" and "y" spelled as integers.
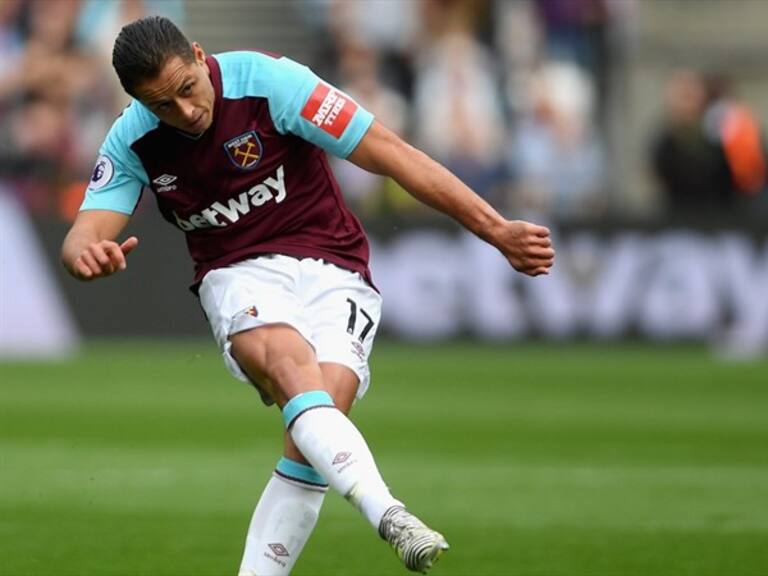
{"x": 337, "y": 450}
{"x": 283, "y": 520}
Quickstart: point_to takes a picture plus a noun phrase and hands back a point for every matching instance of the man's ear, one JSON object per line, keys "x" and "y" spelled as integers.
{"x": 199, "y": 53}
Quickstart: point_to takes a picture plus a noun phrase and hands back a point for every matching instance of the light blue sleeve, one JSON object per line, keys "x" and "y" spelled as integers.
{"x": 119, "y": 177}
{"x": 300, "y": 103}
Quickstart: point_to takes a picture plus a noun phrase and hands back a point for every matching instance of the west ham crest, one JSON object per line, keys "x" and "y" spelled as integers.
{"x": 244, "y": 151}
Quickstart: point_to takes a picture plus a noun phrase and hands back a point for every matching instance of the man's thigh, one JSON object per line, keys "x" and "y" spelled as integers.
{"x": 333, "y": 309}
{"x": 252, "y": 294}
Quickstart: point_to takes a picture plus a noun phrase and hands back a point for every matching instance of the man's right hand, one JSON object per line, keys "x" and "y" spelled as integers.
{"x": 528, "y": 247}
{"x": 102, "y": 259}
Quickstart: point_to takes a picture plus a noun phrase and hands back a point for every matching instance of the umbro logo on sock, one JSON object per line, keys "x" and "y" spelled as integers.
{"x": 278, "y": 549}
{"x": 279, "y": 552}
{"x": 341, "y": 457}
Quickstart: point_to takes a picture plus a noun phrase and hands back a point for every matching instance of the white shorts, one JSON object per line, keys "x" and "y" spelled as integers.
{"x": 335, "y": 310}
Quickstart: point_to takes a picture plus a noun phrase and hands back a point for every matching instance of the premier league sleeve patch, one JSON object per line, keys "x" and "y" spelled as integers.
{"x": 102, "y": 173}
{"x": 329, "y": 109}
{"x": 244, "y": 151}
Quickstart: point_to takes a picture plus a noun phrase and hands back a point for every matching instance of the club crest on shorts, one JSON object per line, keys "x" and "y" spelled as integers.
{"x": 250, "y": 311}
{"x": 244, "y": 151}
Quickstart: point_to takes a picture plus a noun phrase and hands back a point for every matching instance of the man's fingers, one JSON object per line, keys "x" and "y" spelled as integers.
{"x": 82, "y": 269}
{"x": 129, "y": 244}
{"x": 116, "y": 255}
{"x": 103, "y": 258}
{"x": 99, "y": 252}
{"x": 90, "y": 263}
{"x": 538, "y": 270}
{"x": 543, "y": 241}
{"x": 541, "y": 252}
{"x": 535, "y": 264}
{"x": 529, "y": 248}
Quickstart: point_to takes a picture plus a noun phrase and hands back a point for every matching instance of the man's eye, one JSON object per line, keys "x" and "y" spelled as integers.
{"x": 187, "y": 89}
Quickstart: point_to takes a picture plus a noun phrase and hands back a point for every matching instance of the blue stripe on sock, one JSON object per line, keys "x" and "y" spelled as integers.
{"x": 299, "y": 471}
{"x": 302, "y": 402}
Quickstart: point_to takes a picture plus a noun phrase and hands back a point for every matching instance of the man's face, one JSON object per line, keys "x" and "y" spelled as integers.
{"x": 181, "y": 95}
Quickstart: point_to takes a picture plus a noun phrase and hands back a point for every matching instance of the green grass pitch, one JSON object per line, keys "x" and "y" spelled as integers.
{"x": 146, "y": 458}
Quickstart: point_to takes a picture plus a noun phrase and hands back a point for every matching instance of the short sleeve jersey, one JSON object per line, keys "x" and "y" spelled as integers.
{"x": 258, "y": 180}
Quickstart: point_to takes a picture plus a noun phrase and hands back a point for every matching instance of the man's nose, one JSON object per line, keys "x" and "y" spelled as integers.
{"x": 187, "y": 109}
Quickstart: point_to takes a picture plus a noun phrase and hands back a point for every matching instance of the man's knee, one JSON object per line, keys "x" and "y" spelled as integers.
{"x": 278, "y": 359}
{"x": 250, "y": 349}
{"x": 341, "y": 383}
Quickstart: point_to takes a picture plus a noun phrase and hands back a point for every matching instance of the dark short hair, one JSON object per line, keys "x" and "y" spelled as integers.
{"x": 144, "y": 46}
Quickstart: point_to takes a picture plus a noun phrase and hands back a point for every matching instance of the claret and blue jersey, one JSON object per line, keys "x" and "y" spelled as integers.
{"x": 258, "y": 180}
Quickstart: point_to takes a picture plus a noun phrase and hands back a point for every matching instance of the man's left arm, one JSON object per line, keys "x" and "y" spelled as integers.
{"x": 527, "y": 246}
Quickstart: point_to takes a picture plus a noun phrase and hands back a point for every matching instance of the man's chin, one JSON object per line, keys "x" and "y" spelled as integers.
{"x": 198, "y": 127}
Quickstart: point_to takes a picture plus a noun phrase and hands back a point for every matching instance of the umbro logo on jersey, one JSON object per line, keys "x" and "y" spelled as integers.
{"x": 165, "y": 179}
{"x": 164, "y": 182}
{"x": 329, "y": 109}
{"x": 220, "y": 214}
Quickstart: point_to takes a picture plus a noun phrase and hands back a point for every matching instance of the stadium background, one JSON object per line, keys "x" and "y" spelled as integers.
{"x": 618, "y": 417}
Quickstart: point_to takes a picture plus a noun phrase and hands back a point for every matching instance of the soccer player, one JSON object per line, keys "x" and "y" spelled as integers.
{"x": 234, "y": 148}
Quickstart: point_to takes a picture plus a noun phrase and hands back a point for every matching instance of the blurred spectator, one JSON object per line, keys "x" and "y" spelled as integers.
{"x": 360, "y": 78}
{"x": 709, "y": 148}
{"x": 590, "y": 34}
{"x": 37, "y": 93}
{"x": 390, "y": 29}
{"x": 554, "y": 152}
{"x": 573, "y": 29}
{"x": 55, "y": 104}
{"x": 11, "y": 45}
{"x": 737, "y": 130}
{"x": 100, "y": 21}
{"x": 582, "y": 31}
{"x": 518, "y": 42}
{"x": 458, "y": 111}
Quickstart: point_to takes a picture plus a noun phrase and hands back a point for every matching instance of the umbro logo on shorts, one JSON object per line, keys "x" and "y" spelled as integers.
{"x": 358, "y": 350}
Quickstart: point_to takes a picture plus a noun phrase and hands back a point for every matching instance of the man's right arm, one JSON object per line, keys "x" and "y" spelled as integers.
{"x": 89, "y": 250}
{"x": 527, "y": 246}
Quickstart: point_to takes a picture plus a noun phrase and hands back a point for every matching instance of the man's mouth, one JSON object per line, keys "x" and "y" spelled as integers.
{"x": 197, "y": 125}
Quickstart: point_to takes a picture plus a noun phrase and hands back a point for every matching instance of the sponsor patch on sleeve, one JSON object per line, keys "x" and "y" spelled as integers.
{"x": 329, "y": 109}
{"x": 102, "y": 173}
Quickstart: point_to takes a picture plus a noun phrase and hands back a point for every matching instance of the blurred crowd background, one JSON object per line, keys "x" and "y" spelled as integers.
{"x": 531, "y": 102}
{"x": 599, "y": 113}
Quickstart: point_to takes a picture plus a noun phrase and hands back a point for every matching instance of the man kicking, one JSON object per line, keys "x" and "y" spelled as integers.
{"x": 234, "y": 148}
